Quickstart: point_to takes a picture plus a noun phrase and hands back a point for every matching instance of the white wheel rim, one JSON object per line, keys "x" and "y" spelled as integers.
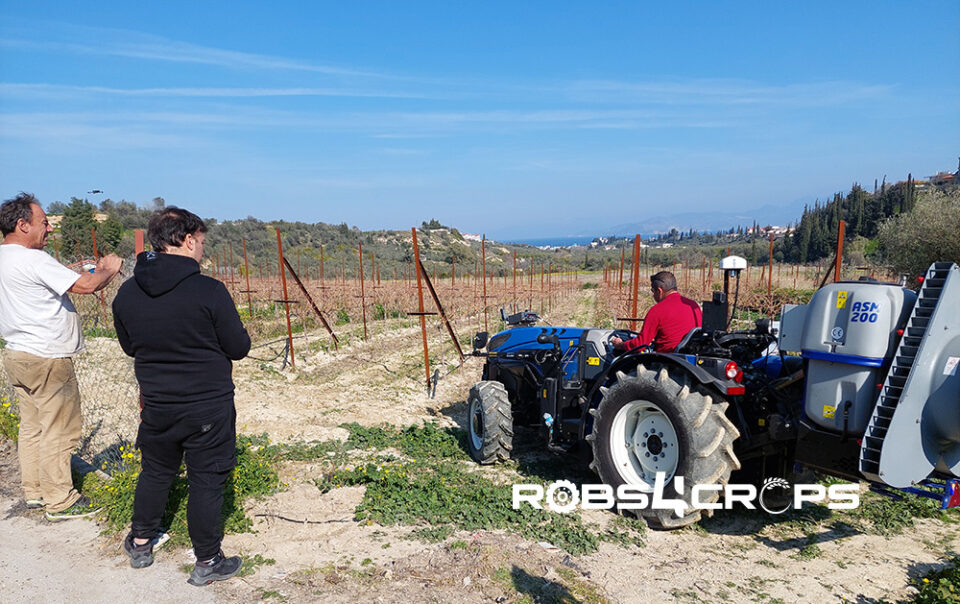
{"x": 643, "y": 442}
{"x": 476, "y": 424}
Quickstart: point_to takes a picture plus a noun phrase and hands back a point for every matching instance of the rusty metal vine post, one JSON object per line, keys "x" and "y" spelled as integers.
{"x": 515, "y": 277}
{"x": 443, "y": 314}
{"x": 837, "y": 269}
{"x": 363, "y": 301}
{"x": 541, "y": 288}
{"x": 549, "y": 286}
{"x": 770, "y": 276}
{"x": 96, "y": 256}
{"x": 620, "y": 275}
{"x": 306, "y": 294}
{"x": 232, "y": 278}
{"x": 483, "y": 256}
{"x": 531, "y": 283}
{"x": 423, "y": 318}
{"x": 246, "y": 272}
{"x": 286, "y": 300}
{"x": 636, "y": 280}
{"x": 703, "y": 274}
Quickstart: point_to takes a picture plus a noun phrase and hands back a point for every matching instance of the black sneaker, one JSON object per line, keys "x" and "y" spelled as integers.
{"x": 141, "y": 556}
{"x": 81, "y": 508}
{"x": 217, "y": 569}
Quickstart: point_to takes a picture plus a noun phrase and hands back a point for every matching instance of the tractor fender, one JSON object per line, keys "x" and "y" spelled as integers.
{"x": 627, "y": 362}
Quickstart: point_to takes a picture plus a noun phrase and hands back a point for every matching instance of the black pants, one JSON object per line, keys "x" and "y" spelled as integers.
{"x": 205, "y": 436}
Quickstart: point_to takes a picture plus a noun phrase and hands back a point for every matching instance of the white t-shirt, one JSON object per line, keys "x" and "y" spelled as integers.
{"x": 36, "y": 315}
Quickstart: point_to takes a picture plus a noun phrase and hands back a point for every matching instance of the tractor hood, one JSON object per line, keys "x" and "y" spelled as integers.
{"x": 525, "y": 338}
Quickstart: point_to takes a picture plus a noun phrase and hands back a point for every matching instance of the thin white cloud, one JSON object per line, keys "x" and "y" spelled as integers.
{"x": 401, "y": 151}
{"x": 723, "y": 92}
{"x": 86, "y": 135}
{"x": 123, "y": 43}
{"x": 700, "y": 91}
{"x": 419, "y": 125}
{"x": 609, "y": 118}
{"x": 398, "y": 135}
{"x": 59, "y": 91}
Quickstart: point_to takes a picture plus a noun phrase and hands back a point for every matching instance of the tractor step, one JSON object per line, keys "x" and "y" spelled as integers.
{"x": 947, "y": 493}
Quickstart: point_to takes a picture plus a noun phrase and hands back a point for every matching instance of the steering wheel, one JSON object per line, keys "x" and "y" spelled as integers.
{"x": 624, "y": 335}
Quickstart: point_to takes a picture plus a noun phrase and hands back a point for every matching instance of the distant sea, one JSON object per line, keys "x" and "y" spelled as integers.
{"x": 554, "y": 241}
{"x": 560, "y": 241}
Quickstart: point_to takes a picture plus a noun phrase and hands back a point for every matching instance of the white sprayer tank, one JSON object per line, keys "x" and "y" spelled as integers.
{"x": 848, "y": 339}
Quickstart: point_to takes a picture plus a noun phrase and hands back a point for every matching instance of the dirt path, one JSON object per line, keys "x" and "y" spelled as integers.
{"x": 318, "y": 551}
{"x": 69, "y": 561}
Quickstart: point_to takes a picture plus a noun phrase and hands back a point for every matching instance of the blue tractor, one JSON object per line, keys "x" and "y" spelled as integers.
{"x": 832, "y": 388}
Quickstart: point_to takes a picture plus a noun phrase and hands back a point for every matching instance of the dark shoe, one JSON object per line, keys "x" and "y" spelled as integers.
{"x": 81, "y": 508}
{"x": 141, "y": 556}
{"x": 218, "y": 569}
{"x": 34, "y": 504}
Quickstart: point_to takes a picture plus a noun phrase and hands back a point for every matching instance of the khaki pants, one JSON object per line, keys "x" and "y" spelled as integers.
{"x": 50, "y": 423}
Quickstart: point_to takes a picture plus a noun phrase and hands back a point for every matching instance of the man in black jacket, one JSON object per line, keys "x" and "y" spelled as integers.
{"x": 183, "y": 331}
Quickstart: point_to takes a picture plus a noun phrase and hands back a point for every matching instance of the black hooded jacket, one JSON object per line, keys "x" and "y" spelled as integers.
{"x": 181, "y": 328}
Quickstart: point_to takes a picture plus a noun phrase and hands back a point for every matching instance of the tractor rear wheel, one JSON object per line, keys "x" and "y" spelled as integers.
{"x": 489, "y": 423}
{"x": 650, "y": 422}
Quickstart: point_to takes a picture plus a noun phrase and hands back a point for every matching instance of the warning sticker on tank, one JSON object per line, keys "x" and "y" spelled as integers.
{"x": 593, "y": 360}
{"x": 829, "y": 411}
{"x": 951, "y": 366}
{"x": 841, "y": 299}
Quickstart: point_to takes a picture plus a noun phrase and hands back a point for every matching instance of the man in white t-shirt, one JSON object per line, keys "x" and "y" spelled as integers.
{"x": 42, "y": 332}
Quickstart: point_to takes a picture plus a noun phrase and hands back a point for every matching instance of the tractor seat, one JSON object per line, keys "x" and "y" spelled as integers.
{"x": 686, "y": 339}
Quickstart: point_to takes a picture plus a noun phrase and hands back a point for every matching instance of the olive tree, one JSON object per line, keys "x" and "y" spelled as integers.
{"x": 912, "y": 241}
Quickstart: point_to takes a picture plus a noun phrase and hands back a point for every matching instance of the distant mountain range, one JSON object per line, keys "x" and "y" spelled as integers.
{"x": 779, "y": 215}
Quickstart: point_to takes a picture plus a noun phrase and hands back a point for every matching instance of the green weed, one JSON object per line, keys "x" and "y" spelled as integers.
{"x": 883, "y": 515}
{"x": 939, "y": 587}
{"x": 625, "y": 531}
{"x": 432, "y": 534}
{"x": 9, "y": 419}
{"x": 253, "y": 476}
{"x": 431, "y": 487}
{"x": 99, "y": 332}
{"x": 809, "y": 551}
{"x": 530, "y": 589}
{"x": 381, "y": 312}
{"x": 267, "y": 594}
{"x": 445, "y": 494}
{"x": 252, "y": 563}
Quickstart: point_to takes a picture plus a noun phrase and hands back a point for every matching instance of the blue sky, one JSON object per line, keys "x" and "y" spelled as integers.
{"x": 517, "y": 119}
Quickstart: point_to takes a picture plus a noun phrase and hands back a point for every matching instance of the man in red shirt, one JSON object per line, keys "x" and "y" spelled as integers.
{"x": 667, "y": 322}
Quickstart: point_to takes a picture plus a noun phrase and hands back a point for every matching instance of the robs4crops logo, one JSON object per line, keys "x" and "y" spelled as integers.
{"x": 775, "y": 496}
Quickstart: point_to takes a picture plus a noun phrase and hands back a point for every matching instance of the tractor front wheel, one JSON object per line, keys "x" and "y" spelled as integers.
{"x": 489, "y": 423}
